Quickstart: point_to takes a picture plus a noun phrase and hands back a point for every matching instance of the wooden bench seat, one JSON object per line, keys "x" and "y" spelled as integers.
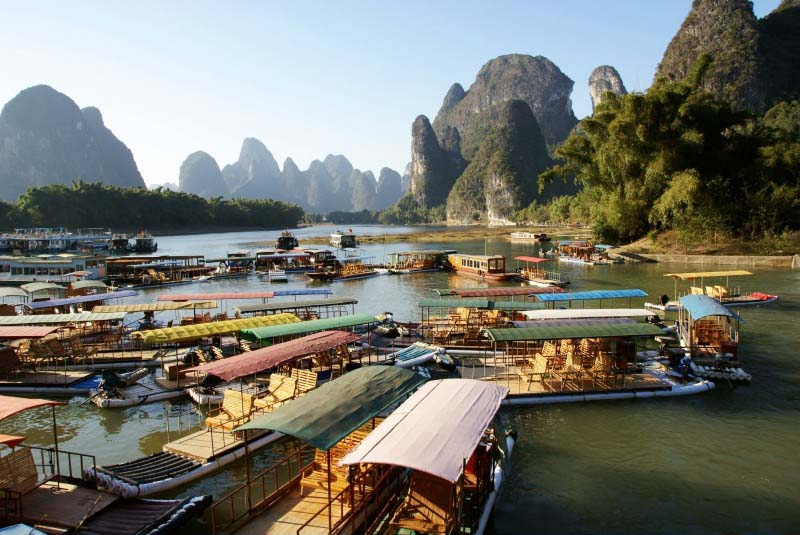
{"x": 306, "y": 380}
{"x": 281, "y": 390}
{"x": 428, "y": 507}
{"x": 235, "y": 410}
{"x": 18, "y": 471}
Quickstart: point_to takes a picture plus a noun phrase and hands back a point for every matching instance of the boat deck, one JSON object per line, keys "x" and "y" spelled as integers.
{"x": 65, "y": 507}
{"x": 47, "y": 378}
{"x": 207, "y": 444}
{"x": 519, "y": 386}
{"x": 291, "y": 512}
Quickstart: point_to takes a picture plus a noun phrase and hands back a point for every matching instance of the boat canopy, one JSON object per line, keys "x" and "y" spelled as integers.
{"x": 574, "y": 332}
{"x": 157, "y": 307}
{"x": 159, "y": 264}
{"x": 495, "y": 292}
{"x": 263, "y": 334}
{"x": 604, "y": 247}
{"x": 78, "y": 285}
{"x": 592, "y": 294}
{"x": 483, "y": 304}
{"x": 219, "y": 295}
{"x": 253, "y": 362}
{"x": 570, "y": 313}
{"x": 231, "y": 259}
{"x": 11, "y": 291}
{"x": 81, "y": 317}
{"x": 702, "y": 306}
{"x": 14, "y": 333}
{"x": 303, "y": 291}
{"x": 310, "y": 303}
{"x": 80, "y": 299}
{"x": 12, "y": 441}
{"x": 705, "y": 274}
{"x": 212, "y": 328}
{"x": 534, "y": 259}
{"x": 10, "y": 405}
{"x": 435, "y": 430}
{"x": 276, "y": 256}
{"x": 576, "y": 322}
{"x": 329, "y": 413}
{"x": 34, "y": 287}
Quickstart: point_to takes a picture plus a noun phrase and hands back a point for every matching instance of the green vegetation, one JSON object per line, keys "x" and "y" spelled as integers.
{"x": 94, "y": 205}
{"x": 407, "y": 211}
{"x": 675, "y": 158}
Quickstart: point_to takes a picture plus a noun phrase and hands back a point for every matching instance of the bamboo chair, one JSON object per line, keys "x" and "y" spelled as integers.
{"x": 18, "y": 471}
{"x": 235, "y": 410}
{"x": 306, "y": 380}
{"x": 281, "y": 390}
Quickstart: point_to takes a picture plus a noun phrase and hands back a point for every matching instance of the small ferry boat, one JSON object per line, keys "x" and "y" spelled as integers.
{"x": 140, "y": 271}
{"x": 709, "y": 335}
{"x": 535, "y": 237}
{"x": 55, "y": 240}
{"x": 63, "y": 267}
{"x": 343, "y": 269}
{"x": 140, "y": 386}
{"x": 416, "y": 261}
{"x": 286, "y": 242}
{"x": 482, "y": 267}
{"x": 726, "y": 294}
{"x": 536, "y": 276}
{"x": 449, "y": 460}
{"x": 342, "y": 240}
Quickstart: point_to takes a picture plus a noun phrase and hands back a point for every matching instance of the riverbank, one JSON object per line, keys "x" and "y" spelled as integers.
{"x": 459, "y": 234}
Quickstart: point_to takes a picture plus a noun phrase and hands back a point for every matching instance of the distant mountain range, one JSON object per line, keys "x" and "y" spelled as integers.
{"x": 326, "y": 186}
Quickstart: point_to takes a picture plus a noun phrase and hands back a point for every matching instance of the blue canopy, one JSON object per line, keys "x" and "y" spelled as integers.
{"x": 281, "y": 255}
{"x": 592, "y": 294}
{"x": 80, "y": 299}
{"x": 303, "y": 291}
{"x": 702, "y": 306}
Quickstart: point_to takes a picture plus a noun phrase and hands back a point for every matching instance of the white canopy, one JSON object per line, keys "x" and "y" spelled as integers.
{"x": 435, "y": 430}
{"x": 573, "y": 313}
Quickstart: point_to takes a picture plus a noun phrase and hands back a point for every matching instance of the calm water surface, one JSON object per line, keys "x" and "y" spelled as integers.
{"x": 727, "y": 462}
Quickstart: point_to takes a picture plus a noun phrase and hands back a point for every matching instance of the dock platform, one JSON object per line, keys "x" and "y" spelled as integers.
{"x": 64, "y": 507}
{"x": 291, "y": 512}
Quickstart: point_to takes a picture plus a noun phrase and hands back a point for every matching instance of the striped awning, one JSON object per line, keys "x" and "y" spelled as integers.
{"x": 15, "y": 333}
{"x": 213, "y": 328}
{"x": 157, "y": 307}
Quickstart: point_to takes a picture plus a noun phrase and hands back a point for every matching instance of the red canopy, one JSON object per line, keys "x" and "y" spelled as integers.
{"x": 534, "y": 259}
{"x": 11, "y": 441}
{"x": 15, "y": 332}
{"x": 268, "y": 357}
{"x": 9, "y": 405}
{"x": 223, "y": 295}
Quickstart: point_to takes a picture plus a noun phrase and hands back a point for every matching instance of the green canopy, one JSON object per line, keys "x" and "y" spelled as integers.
{"x": 262, "y": 334}
{"x": 326, "y": 415}
{"x": 572, "y": 331}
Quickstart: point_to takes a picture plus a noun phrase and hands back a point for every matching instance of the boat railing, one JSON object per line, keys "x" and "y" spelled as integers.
{"x": 377, "y": 499}
{"x": 261, "y": 491}
{"x": 64, "y": 464}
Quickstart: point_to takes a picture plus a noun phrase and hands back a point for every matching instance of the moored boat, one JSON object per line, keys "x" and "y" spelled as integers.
{"x": 535, "y": 237}
{"x": 416, "y": 261}
{"x": 286, "y": 242}
{"x": 342, "y": 240}
{"x": 724, "y": 293}
{"x": 348, "y": 268}
{"x": 482, "y": 267}
{"x": 536, "y": 276}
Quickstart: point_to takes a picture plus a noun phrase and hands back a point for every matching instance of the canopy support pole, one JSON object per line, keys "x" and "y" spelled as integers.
{"x": 247, "y": 467}
{"x": 330, "y": 505}
{"x": 55, "y": 440}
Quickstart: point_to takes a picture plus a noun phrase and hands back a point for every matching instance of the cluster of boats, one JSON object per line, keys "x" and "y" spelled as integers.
{"x": 396, "y": 423}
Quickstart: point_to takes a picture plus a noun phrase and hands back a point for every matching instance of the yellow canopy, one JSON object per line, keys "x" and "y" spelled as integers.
{"x": 201, "y": 330}
{"x": 705, "y": 274}
{"x": 157, "y": 307}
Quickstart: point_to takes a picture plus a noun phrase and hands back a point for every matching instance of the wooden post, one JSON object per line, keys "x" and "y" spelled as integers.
{"x": 330, "y": 505}
{"x": 55, "y": 440}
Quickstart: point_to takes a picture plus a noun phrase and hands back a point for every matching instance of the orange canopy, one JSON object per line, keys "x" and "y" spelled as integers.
{"x": 534, "y": 259}
{"x": 12, "y": 441}
{"x": 9, "y": 405}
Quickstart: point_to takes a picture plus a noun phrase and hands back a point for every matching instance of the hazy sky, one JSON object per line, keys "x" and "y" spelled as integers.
{"x": 307, "y": 78}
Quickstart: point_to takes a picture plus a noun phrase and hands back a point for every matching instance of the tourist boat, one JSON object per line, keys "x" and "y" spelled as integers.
{"x": 536, "y": 276}
{"x": 482, "y": 267}
{"x": 343, "y": 269}
{"x": 55, "y": 240}
{"x": 725, "y": 294}
{"x": 309, "y": 491}
{"x": 238, "y": 264}
{"x": 140, "y": 271}
{"x": 144, "y": 242}
{"x": 342, "y": 240}
{"x": 709, "y": 336}
{"x": 576, "y": 355}
{"x": 416, "y": 261}
{"x": 54, "y": 495}
{"x": 198, "y": 454}
{"x": 286, "y": 242}
{"x": 536, "y": 237}
{"x": 449, "y": 460}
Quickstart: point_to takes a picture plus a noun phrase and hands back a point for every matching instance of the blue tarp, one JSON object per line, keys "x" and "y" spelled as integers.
{"x": 701, "y": 306}
{"x": 303, "y": 291}
{"x": 592, "y": 294}
{"x": 20, "y": 529}
{"x": 80, "y": 299}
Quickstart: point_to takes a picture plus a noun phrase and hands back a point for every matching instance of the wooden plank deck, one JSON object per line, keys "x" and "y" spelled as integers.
{"x": 291, "y": 512}
{"x": 64, "y": 507}
{"x": 204, "y": 445}
{"x": 48, "y": 378}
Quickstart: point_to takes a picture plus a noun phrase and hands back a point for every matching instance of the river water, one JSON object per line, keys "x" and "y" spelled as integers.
{"x": 725, "y": 462}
